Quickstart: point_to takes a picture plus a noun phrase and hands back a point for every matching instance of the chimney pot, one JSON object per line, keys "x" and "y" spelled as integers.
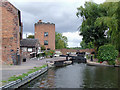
{"x": 40, "y": 20}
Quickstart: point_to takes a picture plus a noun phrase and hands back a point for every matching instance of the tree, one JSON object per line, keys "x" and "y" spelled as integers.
{"x": 31, "y": 36}
{"x": 60, "y": 41}
{"x": 89, "y": 30}
{"x": 85, "y": 45}
{"x": 112, "y": 21}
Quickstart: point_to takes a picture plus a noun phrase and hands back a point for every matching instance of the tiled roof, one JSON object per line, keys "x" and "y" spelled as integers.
{"x": 28, "y": 42}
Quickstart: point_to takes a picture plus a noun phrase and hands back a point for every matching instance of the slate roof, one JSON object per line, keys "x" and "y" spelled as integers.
{"x": 28, "y": 42}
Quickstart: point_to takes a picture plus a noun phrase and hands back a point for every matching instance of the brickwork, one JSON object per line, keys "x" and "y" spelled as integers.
{"x": 10, "y": 33}
{"x": 64, "y": 51}
{"x": 40, "y": 28}
{"x": 0, "y": 38}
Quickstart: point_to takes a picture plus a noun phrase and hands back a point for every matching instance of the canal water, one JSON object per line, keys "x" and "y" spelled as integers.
{"x": 77, "y": 76}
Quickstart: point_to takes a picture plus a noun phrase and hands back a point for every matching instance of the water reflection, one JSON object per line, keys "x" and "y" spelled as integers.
{"x": 77, "y": 76}
{"x": 100, "y": 77}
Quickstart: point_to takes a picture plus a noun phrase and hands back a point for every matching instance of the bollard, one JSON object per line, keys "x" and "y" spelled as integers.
{"x": 66, "y": 57}
{"x": 91, "y": 58}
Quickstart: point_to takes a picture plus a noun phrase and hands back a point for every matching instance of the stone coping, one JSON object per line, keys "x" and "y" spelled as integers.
{"x": 92, "y": 63}
{"x": 20, "y": 82}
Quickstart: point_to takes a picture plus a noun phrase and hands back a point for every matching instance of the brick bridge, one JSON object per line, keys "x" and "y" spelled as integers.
{"x": 64, "y": 51}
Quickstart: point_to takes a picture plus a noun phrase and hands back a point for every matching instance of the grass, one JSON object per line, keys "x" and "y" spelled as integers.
{"x": 4, "y": 81}
{"x": 14, "y": 78}
{"x": 119, "y": 58}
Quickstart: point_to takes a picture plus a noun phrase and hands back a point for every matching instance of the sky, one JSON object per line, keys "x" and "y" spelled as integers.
{"x": 60, "y": 12}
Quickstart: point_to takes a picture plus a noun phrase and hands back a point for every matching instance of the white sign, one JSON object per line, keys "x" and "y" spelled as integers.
{"x": 29, "y": 49}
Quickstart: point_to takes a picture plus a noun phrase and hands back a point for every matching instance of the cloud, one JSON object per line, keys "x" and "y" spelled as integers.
{"x": 73, "y": 38}
{"x": 63, "y": 14}
{"x": 60, "y": 12}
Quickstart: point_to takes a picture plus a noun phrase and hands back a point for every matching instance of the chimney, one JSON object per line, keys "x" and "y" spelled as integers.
{"x": 40, "y": 20}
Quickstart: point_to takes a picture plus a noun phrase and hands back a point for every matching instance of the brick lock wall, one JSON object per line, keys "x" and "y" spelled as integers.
{"x": 10, "y": 33}
{"x": 40, "y": 28}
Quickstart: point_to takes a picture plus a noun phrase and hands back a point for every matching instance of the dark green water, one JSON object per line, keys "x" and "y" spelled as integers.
{"x": 77, "y": 76}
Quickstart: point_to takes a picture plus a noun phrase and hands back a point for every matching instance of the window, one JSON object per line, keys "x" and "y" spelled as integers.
{"x": 45, "y": 42}
{"x": 48, "y": 48}
{"x": 24, "y": 49}
{"x": 29, "y": 49}
{"x": 45, "y": 34}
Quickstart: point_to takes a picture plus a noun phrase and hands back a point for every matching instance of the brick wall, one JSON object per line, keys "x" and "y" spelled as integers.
{"x": 64, "y": 51}
{"x": 10, "y": 33}
{"x": 40, "y": 28}
{"x": 0, "y": 42}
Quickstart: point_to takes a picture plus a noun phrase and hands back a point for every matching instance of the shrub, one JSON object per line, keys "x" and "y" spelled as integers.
{"x": 119, "y": 58}
{"x": 107, "y": 53}
{"x": 51, "y": 52}
{"x": 88, "y": 56}
{"x": 46, "y": 53}
{"x": 43, "y": 47}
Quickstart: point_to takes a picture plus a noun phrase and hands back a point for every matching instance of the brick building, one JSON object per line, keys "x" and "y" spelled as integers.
{"x": 45, "y": 33}
{"x": 11, "y": 33}
{"x": 29, "y": 48}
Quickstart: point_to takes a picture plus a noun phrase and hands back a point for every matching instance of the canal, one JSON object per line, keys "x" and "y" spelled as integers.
{"x": 77, "y": 76}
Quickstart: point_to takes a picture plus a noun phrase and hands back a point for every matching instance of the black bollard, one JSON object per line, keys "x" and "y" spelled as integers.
{"x": 24, "y": 59}
{"x": 67, "y": 57}
{"x": 91, "y": 58}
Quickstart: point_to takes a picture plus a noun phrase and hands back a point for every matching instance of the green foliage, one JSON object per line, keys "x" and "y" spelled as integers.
{"x": 31, "y": 36}
{"x": 86, "y": 45}
{"x": 43, "y": 47}
{"x": 46, "y": 53}
{"x": 107, "y": 53}
{"x": 49, "y": 53}
{"x": 88, "y": 56}
{"x": 39, "y": 55}
{"x": 111, "y": 20}
{"x": 119, "y": 59}
{"x": 89, "y": 30}
{"x": 101, "y": 23}
{"x": 4, "y": 81}
{"x": 13, "y": 78}
{"x": 60, "y": 41}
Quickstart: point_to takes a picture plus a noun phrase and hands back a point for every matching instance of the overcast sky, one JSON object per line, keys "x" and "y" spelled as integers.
{"x": 60, "y": 12}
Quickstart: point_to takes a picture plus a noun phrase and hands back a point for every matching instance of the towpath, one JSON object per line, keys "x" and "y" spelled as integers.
{"x": 10, "y": 70}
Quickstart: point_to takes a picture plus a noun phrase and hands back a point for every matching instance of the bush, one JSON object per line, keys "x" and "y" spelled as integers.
{"x": 46, "y": 53}
{"x": 107, "y": 53}
{"x": 43, "y": 47}
{"x": 39, "y": 55}
{"x": 49, "y": 53}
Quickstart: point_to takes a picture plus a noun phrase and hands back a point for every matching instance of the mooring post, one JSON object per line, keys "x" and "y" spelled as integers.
{"x": 67, "y": 57}
{"x": 91, "y": 58}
